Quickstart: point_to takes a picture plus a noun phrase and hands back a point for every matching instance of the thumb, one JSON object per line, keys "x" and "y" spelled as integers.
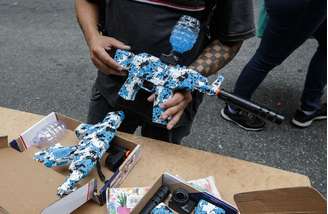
{"x": 151, "y": 98}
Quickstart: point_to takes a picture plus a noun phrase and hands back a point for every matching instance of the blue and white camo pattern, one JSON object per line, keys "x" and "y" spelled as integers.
{"x": 165, "y": 79}
{"x": 162, "y": 209}
{"x": 94, "y": 142}
{"x": 204, "y": 207}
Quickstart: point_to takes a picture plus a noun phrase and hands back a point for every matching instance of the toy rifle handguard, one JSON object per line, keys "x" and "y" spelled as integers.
{"x": 167, "y": 78}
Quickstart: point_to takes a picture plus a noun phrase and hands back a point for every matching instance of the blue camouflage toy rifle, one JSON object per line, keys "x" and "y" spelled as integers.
{"x": 165, "y": 78}
{"x": 82, "y": 158}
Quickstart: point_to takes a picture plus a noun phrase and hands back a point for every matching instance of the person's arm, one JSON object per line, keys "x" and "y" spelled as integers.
{"x": 215, "y": 56}
{"x": 87, "y": 14}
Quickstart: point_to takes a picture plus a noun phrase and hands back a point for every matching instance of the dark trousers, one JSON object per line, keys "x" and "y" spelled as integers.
{"x": 99, "y": 107}
{"x": 290, "y": 23}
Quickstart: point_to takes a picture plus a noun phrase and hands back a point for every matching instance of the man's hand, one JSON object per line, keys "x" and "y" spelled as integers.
{"x": 174, "y": 107}
{"x": 101, "y": 59}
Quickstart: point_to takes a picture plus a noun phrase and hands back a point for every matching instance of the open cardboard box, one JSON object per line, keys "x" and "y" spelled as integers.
{"x": 174, "y": 183}
{"x": 22, "y": 169}
{"x": 296, "y": 200}
{"x": 24, "y": 192}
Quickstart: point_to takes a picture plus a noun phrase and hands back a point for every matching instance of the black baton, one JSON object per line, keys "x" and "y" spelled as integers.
{"x": 250, "y": 107}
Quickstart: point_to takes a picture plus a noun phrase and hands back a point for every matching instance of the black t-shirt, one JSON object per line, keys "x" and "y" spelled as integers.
{"x": 146, "y": 26}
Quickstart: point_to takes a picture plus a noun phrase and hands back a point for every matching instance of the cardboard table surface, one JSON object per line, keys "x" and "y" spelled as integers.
{"x": 232, "y": 175}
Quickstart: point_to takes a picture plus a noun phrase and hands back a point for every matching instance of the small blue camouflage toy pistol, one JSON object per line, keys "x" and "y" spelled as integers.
{"x": 82, "y": 158}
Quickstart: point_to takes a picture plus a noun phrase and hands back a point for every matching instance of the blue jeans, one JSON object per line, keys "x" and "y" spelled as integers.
{"x": 290, "y": 24}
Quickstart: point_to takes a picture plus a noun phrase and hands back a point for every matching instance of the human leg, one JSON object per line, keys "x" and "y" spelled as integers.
{"x": 316, "y": 80}
{"x": 290, "y": 24}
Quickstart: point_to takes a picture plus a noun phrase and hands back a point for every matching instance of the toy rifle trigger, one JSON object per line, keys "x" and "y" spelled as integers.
{"x": 148, "y": 86}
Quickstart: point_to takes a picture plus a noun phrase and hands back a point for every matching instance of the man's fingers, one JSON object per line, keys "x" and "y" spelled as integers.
{"x": 105, "y": 69}
{"x": 118, "y": 44}
{"x": 175, "y": 100}
{"x": 174, "y": 110}
{"x": 174, "y": 120}
{"x": 101, "y": 66}
{"x": 151, "y": 98}
{"x": 103, "y": 56}
{"x": 177, "y": 103}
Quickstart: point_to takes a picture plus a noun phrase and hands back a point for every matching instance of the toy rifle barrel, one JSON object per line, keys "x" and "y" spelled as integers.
{"x": 250, "y": 107}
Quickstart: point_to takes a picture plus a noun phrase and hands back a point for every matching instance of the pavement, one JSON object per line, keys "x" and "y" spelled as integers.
{"x": 45, "y": 67}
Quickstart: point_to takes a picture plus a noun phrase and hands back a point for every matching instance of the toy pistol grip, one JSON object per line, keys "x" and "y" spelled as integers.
{"x": 162, "y": 94}
{"x": 251, "y": 107}
{"x": 130, "y": 88}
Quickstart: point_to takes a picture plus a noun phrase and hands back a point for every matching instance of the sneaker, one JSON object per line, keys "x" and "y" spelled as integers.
{"x": 243, "y": 119}
{"x": 302, "y": 120}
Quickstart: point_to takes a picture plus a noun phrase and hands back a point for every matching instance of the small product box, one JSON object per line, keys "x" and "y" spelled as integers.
{"x": 40, "y": 182}
{"x": 278, "y": 201}
{"x": 179, "y": 196}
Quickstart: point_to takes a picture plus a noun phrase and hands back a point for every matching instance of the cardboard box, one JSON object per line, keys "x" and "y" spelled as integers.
{"x": 24, "y": 192}
{"x": 296, "y": 200}
{"x": 174, "y": 183}
{"x": 44, "y": 187}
